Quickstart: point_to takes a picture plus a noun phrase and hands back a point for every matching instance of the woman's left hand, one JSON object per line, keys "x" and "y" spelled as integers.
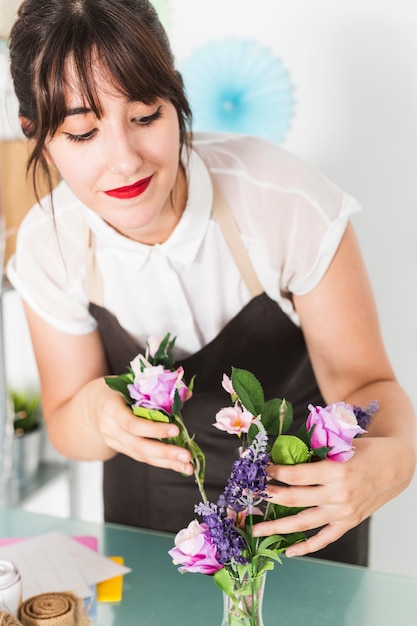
{"x": 337, "y": 496}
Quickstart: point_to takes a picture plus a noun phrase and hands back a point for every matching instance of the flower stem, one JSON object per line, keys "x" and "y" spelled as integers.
{"x": 199, "y": 483}
{"x": 198, "y": 460}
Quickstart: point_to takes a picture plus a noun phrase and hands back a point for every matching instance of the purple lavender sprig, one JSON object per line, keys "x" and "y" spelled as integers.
{"x": 245, "y": 489}
{"x": 228, "y": 541}
{"x": 364, "y": 415}
{"x": 247, "y": 481}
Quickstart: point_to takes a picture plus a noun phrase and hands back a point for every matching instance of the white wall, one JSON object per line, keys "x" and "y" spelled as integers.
{"x": 353, "y": 69}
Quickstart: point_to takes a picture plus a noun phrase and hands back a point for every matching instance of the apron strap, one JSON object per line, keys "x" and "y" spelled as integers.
{"x": 93, "y": 279}
{"x": 224, "y": 218}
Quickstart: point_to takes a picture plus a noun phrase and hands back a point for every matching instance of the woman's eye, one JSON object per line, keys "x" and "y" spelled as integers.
{"x": 148, "y": 119}
{"x": 83, "y": 137}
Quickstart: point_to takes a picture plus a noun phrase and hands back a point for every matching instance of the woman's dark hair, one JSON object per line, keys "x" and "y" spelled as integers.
{"x": 127, "y": 38}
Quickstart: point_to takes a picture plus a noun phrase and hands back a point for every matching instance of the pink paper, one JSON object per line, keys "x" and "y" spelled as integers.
{"x": 87, "y": 540}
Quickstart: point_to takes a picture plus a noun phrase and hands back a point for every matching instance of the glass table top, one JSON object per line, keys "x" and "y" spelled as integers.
{"x": 300, "y": 591}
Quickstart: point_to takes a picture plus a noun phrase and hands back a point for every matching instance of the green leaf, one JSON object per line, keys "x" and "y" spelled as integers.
{"x": 269, "y": 565}
{"x": 178, "y": 403}
{"x": 119, "y": 384}
{"x": 252, "y": 432}
{"x": 270, "y": 554}
{"x": 270, "y": 416}
{"x": 249, "y": 390}
{"x": 277, "y": 511}
{"x": 150, "y": 414}
{"x": 191, "y": 384}
{"x": 289, "y": 450}
{"x": 322, "y": 452}
{"x": 292, "y": 538}
{"x": 164, "y": 355}
{"x": 224, "y": 581}
{"x": 268, "y": 541}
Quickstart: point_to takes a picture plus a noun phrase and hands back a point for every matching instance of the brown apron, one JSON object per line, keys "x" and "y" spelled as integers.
{"x": 260, "y": 338}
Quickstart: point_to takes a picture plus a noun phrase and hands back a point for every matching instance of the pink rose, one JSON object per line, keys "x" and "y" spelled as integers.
{"x": 233, "y": 420}
{"x": 335, "y": 427}
{"x": 194, "y": 550}
{"x": 154, "y": 387}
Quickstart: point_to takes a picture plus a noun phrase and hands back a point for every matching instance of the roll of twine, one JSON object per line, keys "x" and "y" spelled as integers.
{"x": 6, "y": 619}
{"x": 53, "y": 609}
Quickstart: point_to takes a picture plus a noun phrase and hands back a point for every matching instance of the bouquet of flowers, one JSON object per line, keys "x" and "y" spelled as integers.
{"x": 222, "y": 543}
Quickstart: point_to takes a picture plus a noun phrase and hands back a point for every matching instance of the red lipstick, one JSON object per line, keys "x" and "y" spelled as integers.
{"x": 131, "y": 191}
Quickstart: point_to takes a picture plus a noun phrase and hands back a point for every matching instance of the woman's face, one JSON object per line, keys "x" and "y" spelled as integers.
{"x": 124, "y": 165}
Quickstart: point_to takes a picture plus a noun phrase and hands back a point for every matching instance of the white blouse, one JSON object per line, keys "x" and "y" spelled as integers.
{"x": 291, "y": 220}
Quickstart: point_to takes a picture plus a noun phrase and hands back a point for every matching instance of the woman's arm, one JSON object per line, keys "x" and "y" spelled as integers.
{"x": 86, "y": 420}
{"x": 341, "y": 328}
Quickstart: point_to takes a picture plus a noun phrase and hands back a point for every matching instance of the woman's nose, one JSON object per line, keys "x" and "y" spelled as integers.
{"x": 124, "y": 156}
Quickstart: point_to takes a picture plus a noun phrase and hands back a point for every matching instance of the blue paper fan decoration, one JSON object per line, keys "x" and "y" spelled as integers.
{"x": 237, "y": 85}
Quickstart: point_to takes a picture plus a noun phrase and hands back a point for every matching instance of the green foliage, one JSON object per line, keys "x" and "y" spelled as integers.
{"x": 277, "y": 511}
{"x": 249, "y": 390}
{"x": 120, "y": 383}
{"x": 198, "y": 457}
{"x": 26, "y": 410}
{"x": 276, "y": 415}
{"x": 150, "y": 414}
{"x": 289, "y": 450}
{"x": 177, "y": 404}
{"x": 164, "y": 355}
{"x": 224, "y": 581}
{"x": 268, "y": 550}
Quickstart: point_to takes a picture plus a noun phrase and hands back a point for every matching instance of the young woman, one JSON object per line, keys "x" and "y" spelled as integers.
{"x": 131, "y": 244}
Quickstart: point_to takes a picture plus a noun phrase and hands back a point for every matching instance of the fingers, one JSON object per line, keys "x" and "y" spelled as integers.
{"x": 141, "y": 427}
{"x": 325, "y": 494}
{"x": 327, "y": 519}
{"x": 297, "y": 496}
{"x": 308, "y": 519}
{"x": 322, "y": 473}
{"x": 153, "y": 452}
{"x": 140, "y": 438}
{"x": 321, "y": 540}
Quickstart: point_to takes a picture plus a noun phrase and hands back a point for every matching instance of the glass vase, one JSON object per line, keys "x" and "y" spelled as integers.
{"x": 244, "y": 607}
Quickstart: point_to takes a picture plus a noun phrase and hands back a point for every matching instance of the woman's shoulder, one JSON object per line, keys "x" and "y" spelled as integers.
{"x": 262, "y": 162}
{"x": 60, "y": 212}
{"x": 48, "y": 266}
{"x": 255, "y": 168}
{"x": 225, "y": 148}
{"x": 53, "y": 235}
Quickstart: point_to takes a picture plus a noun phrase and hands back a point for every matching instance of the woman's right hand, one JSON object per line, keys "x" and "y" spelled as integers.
{"x": 137, "y": 437}
{"x": 87, "y": 420}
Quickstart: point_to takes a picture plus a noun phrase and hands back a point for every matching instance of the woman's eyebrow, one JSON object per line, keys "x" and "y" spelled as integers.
{"x": 77, "y": 111}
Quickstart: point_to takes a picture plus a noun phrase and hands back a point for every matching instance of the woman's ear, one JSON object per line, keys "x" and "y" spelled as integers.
{"x": 28, "y": 131}
{"x": 26, "y": 126}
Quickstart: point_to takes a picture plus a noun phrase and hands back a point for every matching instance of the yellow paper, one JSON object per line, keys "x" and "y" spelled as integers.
{"x": 111, "y": 590}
